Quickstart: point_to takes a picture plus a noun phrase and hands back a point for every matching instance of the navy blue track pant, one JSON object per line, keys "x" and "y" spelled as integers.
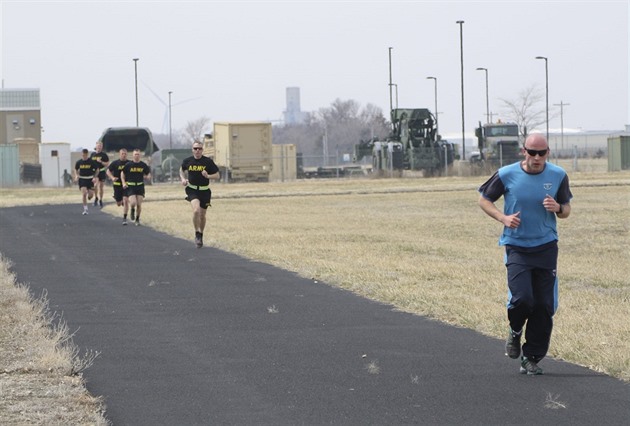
{"x": 532, "y": 295}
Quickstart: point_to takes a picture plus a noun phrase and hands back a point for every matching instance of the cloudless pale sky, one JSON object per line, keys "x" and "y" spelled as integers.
{"x": 233, "y": 60}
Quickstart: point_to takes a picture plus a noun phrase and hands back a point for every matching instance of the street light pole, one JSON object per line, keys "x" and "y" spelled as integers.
{"x": 546, "y": 94}
{"x": 461, "y": 49}
{"x": 437, "y": 128}
{"x": 135, "y": 65}
{"x": 487, "y": 98}
{"x": 170, "y": 133}
{"x": 390, "y": 80}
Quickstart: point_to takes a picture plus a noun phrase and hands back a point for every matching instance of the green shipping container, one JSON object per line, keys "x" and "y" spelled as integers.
{"x": 619, "y": 153}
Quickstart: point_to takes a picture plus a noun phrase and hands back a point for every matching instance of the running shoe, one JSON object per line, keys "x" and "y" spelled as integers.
{"x": 529, "y": 367}
{"x": 95, "y": 201}
{"x": 137, "y": 222}
{"x": 132, "y": 215}
{"x": 199, "y": 239}
{"x": 84, "y": 212}
{"x": 100, "y": 202}
{"x": 124, "y": 222}
{"x": 513, "y": 344}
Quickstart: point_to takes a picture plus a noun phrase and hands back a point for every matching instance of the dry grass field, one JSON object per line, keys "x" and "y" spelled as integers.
{"x": 421, "y": 245}
{"x": 40, "y": 380}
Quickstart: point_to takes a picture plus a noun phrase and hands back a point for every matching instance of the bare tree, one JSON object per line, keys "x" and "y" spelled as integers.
{"x": 343, "y": 125}
{"x": 196, "y": 129}
{"x": 525, "y": 110}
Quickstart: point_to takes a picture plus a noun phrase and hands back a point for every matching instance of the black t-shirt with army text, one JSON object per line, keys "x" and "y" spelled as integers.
{"x": 135, "y": 172}
{"x": 86, "y": 168}
{"x": 100, "y": 156}
{"x": 194, "y": 168}
{"x": 117, "y": 166}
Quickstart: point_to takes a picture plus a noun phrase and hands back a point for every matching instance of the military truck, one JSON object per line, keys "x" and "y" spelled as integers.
{"x": 498, "y": 144}
{"x": 130, "y": 138}
{"x": 413, "y": 144}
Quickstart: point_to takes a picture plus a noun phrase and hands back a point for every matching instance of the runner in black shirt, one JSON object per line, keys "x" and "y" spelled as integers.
{"x": 132, "y": 177}
{"x": 85, "y": 171}
{"x": 195, "y": 175}
{"x": 113, "y": 172}
{"x": 103, "y": 160}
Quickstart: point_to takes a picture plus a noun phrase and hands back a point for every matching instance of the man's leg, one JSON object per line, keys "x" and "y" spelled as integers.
{"x": 132, "y": 205}
{"x": 540, "y": 322}
{"x": 520, "y": 295}
{"x": 198, "y": 223}
{"x": 520, "y": 301}
{"x": 84, "y": 192}
{"x": 196, "y": 208}
{"x": 202, "y": 219}
{"x": 101, "y": 191}
{"x": 139, "y": 199}
{"x": 96, "y": 192}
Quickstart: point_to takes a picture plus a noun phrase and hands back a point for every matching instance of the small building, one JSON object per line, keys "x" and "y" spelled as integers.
{"x": 55, "y": 159}
{"x": 20, "y": 127}
{"x": 20, "y": 115}
{"x": 619, "y": 151}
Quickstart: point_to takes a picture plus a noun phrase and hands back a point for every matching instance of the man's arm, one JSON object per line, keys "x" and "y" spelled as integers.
{"x": 216, "y": 175}
{"x": 510, "y": 221}
{"x": 110, "y": 175}
{"x": 182, "y": 176}
{"x": 566, "y": 211}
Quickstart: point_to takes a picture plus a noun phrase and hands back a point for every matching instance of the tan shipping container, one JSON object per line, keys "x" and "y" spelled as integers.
{"x": 284, "y": 163}
{"x": 244, "y": 149}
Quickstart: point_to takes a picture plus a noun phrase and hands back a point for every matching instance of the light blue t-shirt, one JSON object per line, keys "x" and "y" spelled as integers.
{"x": 524, "y": 192}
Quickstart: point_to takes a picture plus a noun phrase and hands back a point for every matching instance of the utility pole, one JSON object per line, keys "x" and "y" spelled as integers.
{"x": 461, "y": 50}
{"x": 437, "y": 128}
{"x": 561, "y": 105}
{"x": 135, "y": 66}
{"x": 170, "y": 132}
{"x": 390, "y": 81}
{"x": 546, "y": 93}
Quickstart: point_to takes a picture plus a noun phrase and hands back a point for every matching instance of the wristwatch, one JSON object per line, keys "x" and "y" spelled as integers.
{"x": 560, "y": 211}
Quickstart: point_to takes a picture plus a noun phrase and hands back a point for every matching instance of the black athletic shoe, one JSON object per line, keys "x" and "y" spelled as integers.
{"x": 137, "y": 222}
{"x": 100, "y": 203}
{"x": 529, "y": 367}
{"x": 199, "y": 239}
{"x": 95, "y": 201}
{"x": 513, "y": 344}
{"x": 132, "y": 215}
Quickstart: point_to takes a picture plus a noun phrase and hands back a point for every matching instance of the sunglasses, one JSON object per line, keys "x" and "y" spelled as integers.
{"x": 534, "y": 152}
{"x": 197, "y": 149}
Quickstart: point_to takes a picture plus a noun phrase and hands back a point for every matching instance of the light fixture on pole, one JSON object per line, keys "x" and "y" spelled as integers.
{"x": 546, "y": 94}
{"x": 437, "y": 128}
{"x": 487, "y": 98}
{"x": 135, "y": 65}
{"x": 461, "y": 49}
{"x": 170, "y": 126}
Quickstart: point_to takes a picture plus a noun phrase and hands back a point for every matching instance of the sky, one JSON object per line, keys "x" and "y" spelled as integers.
{"x": 233, "y": 60}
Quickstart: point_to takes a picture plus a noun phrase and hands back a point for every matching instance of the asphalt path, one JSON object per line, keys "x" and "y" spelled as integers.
{"x": 191, "y": 336}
